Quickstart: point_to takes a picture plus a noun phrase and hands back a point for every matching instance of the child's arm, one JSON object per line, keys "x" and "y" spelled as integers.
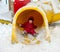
{"x": 22, "y": 25}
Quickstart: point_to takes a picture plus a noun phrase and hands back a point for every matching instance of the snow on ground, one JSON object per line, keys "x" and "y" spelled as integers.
{"x": 6, "y": 16}
{"x": 6, "y": 46}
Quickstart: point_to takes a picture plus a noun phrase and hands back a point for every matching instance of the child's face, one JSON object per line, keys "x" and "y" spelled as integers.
{"x": 30, "y": 21}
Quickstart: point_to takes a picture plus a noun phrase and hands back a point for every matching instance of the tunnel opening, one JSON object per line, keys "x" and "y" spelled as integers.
{"x": 24, "y": 16}
{"x": 21, "y": 16}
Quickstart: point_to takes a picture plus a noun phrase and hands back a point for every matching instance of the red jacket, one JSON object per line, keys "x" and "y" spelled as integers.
{"x": 29, "y": 27}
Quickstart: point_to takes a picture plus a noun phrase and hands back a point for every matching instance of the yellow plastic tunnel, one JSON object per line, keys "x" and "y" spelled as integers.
{"x": 23, "y": 14}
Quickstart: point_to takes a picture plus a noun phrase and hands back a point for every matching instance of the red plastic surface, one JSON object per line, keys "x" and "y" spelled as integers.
{"x": 19, "y": 3}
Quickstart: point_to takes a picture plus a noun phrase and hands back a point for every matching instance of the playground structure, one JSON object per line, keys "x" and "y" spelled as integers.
{"x": 19, "y": 3}
{"x": 41, "y": 19}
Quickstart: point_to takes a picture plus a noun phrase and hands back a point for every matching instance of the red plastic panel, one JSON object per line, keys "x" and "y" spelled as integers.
{"x": 19, "y": 3}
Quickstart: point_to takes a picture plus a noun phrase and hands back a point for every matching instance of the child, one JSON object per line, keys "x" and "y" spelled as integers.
{"x": 29, "y": 27}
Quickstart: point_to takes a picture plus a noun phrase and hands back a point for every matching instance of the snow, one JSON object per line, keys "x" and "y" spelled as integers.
{"x": 6, "y": 46}
{"x": 55, "y": 5}
{"x": 4, "y": 7}
{"x": 6, "y": 16}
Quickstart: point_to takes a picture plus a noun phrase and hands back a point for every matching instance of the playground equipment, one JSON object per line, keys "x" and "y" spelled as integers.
{"x": 19, "y": 3}
{"x": 41, "y": 18}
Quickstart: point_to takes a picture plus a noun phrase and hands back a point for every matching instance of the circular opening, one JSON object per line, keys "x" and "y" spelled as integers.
{"x": 24, "y": 16}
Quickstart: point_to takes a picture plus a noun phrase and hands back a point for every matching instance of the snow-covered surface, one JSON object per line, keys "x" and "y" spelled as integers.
{"x": 6, "y": 46}
{"x": 55, "y": 5}
{"x": 4, "y": 6}
{"x": 6, "y": 16}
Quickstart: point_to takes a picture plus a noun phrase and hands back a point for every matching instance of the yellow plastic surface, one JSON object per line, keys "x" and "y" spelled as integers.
{"x": 41, "y": 19}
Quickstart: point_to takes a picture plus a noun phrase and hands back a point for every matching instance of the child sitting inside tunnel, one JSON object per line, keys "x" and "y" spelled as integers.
{"x": 29, "y": 27}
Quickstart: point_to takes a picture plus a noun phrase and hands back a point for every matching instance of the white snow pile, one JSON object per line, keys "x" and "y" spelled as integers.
{"x": 6, "y": 46}
{"x": 6, "y": 16}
